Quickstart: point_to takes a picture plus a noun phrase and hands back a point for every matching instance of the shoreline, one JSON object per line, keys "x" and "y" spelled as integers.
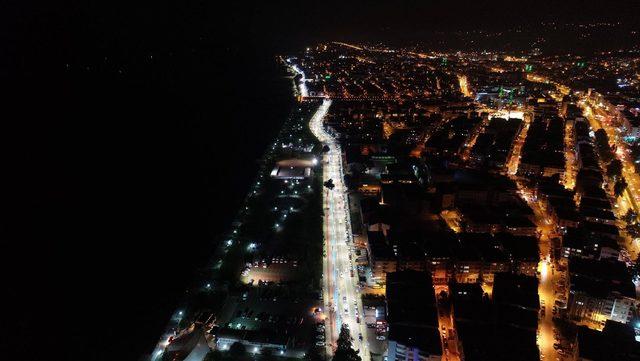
{"x": 179, "y": 315}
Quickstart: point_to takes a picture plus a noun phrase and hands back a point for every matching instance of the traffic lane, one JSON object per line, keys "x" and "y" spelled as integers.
{"x": 339, "y": 233}
{"x": 546, "y": 337}
{"x": 329, "y": 289}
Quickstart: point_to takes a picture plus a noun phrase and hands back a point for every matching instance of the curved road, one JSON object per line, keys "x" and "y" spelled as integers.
{"x": 342, "y": 301}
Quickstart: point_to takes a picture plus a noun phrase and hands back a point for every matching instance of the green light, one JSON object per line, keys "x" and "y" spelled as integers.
{"x": 327, "y": 76}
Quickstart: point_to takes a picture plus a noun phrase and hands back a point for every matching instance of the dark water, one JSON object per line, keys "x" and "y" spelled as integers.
{"x": 115, "y": 211}
{"x": 121, "y": 164}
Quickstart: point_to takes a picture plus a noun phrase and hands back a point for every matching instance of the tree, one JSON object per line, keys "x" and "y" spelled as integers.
{"x": 345, "y": 351}
{"x": 635, "y": 270}
{"x": 633, "y": 229}
{"x": 631, "y": 217}
{"x": 619, "y": 187}
{"x": 602, "y": 141}
{"x": 313, "y": 354}
{"x": 614, "y": 169}
{"x": 237, "y": 350}
{"x": 329, "y": 184}
{"x": 601, "y": 137}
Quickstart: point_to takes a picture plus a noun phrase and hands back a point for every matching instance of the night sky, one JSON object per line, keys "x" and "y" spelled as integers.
{"x": 130, "y": 132}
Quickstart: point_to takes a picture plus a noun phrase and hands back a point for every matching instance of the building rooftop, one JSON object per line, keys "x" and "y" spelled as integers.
{"x": 292, "y": 169}
{"x": 490, "y": 342}
{"x": 600, "y": 278}
{"x": 615, "y": 342}
{"x": 427, "y": 339}
{"x": 411, "y": 299}
{"x": 380, "y": 248}
{"x": 520, "y": 248}
{"x": 516, "y": 290}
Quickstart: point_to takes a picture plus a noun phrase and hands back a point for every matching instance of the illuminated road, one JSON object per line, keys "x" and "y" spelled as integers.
{"x": 302, "y": 85}
{"x": 514, "y": 158}
{"x": 464, "y": 86}
{"x": 348, "y": 45}
{"x": 546, "y": 338}
{"x": 174, "y": 321}
{"x": 571, "y": 170}
{"x": 548, "y": 275}
{"x": 341, "y": 296}
{"x": 446, "y": 328}
{"x": 548, "y": 229}
{"x": 547, "y": 269}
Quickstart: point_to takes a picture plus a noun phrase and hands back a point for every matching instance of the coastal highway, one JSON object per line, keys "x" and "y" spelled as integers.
{"x": 342, "y": 301}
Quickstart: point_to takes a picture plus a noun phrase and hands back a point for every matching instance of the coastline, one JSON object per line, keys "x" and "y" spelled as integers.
{"x": 176, "y": 320}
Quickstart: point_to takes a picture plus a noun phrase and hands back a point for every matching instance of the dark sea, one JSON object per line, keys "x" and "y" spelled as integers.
{"x": 125, "y": 154}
